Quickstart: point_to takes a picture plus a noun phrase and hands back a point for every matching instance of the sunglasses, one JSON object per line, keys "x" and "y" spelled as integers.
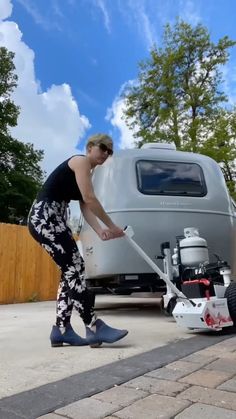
{"x": 104, "y": 148}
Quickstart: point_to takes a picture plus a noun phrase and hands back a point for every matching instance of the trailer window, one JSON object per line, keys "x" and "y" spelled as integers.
{"x": 170, "y": 178}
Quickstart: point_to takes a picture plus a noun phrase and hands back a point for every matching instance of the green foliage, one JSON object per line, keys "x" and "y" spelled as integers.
{"x": 221, "y": 145}
{"x": 177, "y": 97}
{"x": 20, "y": 173}
{"x": 8, "y": 81}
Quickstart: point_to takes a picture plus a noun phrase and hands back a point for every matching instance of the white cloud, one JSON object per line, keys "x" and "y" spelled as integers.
{"x": 5, "y": 9}
{"x": 188, "y": 12}
{"x": 50, "y": 119}
{"x": 34, "y": 12}
{"x": 229, "y": 79}
{"x": 135, "y": 11}
{"x": 56, "y": 9}
{"x": 107, "y": 21}
{"x": 115, "y": 117}
{"x": 50, "y": 19}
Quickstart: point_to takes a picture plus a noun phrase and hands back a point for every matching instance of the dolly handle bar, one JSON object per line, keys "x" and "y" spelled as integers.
{"x": 129, "y": 233}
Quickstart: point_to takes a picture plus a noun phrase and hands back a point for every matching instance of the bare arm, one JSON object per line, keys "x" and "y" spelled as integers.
{"x": 81, "y": 167}
{"x": 90, "y": 218}
{"x": 104, "y": 234}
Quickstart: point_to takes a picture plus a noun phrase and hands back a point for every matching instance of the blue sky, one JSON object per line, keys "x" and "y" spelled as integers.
{"x": 74, "y": 56}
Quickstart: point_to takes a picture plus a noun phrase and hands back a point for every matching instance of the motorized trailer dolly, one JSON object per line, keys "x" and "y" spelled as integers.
{"x": 199, "y": 294}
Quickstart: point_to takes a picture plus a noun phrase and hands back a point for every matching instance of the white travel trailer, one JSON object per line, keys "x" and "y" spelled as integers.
{"x": 158, "y": 191}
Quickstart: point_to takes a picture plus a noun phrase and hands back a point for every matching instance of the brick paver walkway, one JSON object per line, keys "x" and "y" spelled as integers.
{"x": 201, "y": 385}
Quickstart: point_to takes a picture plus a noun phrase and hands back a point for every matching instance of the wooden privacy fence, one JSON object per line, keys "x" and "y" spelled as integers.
{"x": 27, "y": 272}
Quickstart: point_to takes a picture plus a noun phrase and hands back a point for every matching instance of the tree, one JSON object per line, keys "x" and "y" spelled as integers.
{"x": 20, "y": 173}
{"x": 177, "y": 97}
{"x": 221, "y": 145}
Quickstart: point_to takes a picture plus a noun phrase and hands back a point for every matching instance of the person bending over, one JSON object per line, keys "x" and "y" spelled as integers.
{"x": 71, "y": 180}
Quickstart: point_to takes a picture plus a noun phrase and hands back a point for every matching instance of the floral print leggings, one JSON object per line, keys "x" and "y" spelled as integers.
{"x": 47, "y": 224}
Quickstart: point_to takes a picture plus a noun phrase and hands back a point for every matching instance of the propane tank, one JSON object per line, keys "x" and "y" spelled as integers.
{"x": 193, "y": 249}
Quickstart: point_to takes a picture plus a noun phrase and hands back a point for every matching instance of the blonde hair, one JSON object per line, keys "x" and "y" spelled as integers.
{"x": 97, "y": 139}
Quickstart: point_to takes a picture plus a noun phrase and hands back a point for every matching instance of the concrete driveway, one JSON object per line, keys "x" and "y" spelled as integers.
{"x": 28, "y": 361}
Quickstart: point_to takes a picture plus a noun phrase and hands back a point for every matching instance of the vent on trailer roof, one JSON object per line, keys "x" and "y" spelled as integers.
{"x": 166, "y": 146}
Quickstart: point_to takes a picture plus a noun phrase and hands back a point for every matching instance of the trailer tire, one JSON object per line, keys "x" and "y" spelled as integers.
{"x": 170, "y": 307}
{"x": 230, "y": 295}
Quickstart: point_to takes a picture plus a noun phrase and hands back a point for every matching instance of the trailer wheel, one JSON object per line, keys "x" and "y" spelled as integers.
{"x": 230, "y": 295}
{"x": 170, "y": 307}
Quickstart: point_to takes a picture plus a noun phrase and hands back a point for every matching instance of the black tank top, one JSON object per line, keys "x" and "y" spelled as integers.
{"x": 60, "y": 185}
